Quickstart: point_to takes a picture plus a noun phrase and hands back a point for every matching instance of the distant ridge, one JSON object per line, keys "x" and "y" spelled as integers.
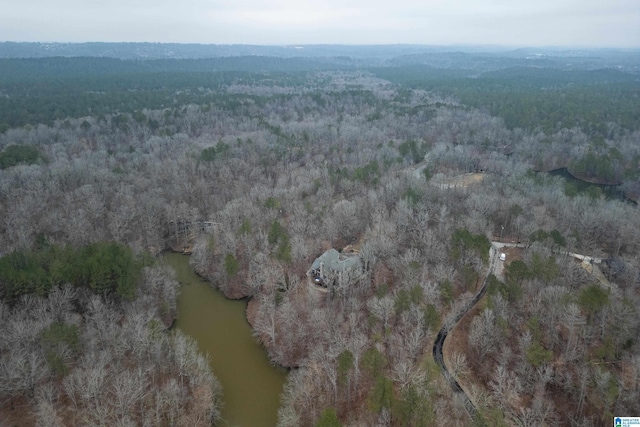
{"x": 464, "y": 57}
{"x": 202, "y": 51}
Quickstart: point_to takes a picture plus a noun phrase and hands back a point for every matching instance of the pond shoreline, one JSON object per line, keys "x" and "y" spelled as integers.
{"x": 251, "y": 384}
{"x": 579, "y": 178}
{"x": 612, "y": 190}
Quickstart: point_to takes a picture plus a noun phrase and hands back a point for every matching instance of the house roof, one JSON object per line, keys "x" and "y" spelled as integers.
{"x": 336, "y": 261}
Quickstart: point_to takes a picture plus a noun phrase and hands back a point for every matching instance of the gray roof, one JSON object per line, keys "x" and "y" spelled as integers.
{"x": 335, "y": 261}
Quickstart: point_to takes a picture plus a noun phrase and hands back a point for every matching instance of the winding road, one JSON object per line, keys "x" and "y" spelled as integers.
{"x": 438, "y": 345}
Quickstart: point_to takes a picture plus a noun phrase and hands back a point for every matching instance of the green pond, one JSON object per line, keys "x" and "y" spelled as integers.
{"x": 251, "y": 386}
{"x": 575, "y": 185}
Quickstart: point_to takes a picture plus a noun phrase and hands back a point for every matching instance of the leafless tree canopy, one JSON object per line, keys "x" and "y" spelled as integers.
{"x": 258, "y": 188}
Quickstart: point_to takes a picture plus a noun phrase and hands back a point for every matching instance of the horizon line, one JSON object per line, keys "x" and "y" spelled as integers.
{"x": 390, "y": 44}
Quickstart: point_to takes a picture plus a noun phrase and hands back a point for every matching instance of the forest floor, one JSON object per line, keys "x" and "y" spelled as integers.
{"x": 16, "y": 412}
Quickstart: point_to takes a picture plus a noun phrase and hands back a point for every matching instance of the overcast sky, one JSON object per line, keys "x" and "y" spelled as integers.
{"x": 614, "y": 23}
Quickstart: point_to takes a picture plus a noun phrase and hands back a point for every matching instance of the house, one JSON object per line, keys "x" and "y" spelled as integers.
{"x": 335, "y": 269}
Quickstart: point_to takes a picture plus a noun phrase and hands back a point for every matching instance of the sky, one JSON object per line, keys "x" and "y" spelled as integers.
{"x": 574, "y": 23}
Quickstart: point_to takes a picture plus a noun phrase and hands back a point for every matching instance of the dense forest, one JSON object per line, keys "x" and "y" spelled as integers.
{"x": 539, "y": 99}
{"x": 257, "y": 166}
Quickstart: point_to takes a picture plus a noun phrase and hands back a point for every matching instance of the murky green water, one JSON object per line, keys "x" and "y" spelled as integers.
{"x": 250, "y": 384}
{"x": 580, "y": 186}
